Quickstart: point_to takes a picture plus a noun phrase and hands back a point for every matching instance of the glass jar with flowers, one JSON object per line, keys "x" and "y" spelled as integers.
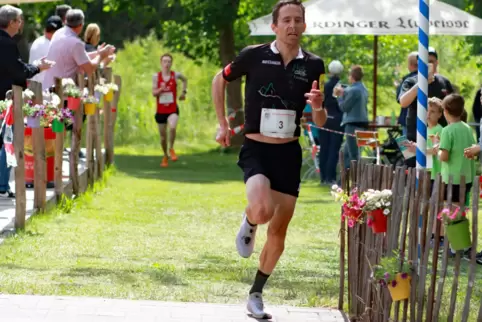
{"x": 378, "y": 205}
{"x": 456, "y": 227}
{"x": 352, "y": 205}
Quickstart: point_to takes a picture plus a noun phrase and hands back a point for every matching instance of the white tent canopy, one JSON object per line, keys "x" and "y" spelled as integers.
{"x": 377, "y": 17}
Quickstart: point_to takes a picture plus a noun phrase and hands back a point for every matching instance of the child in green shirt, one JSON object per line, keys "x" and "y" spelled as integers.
{"x": 455, "y": 138}
{"x": 434, "y": 113}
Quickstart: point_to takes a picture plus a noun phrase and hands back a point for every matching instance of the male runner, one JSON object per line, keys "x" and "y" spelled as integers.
{"x": 281, "y": 79}
{"x": 164, "y": 89}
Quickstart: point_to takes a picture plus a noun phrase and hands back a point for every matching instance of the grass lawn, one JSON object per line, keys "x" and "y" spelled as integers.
{"x": 168, "y": 234}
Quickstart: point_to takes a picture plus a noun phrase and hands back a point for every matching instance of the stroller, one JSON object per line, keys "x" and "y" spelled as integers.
{"x": 389, "y": 151}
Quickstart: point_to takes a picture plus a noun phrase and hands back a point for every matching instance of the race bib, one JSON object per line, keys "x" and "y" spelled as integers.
{"x": 166, "y": 98}
{"x": 278, "y": 123}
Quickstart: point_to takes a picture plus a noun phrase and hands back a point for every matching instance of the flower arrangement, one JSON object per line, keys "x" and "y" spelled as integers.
{"x": 33, "y": 110}
{"x": 457, "y": 227}
{"x": 70, "y": 89}
{"x": 103, "y": 89}
{"x": 28, "y": 95}
{"x": 89, "y": 99}
{"x": 378, "y": 207}
{"x": 112, "y": 87}
{"x": 352, "y": 207}
{"x": 385, "y": 272}
{"x": 4, "y": 104}
{"x": 388, "y": 273}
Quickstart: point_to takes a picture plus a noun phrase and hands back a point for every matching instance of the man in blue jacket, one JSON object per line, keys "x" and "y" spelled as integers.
{"x": 353, "y": 102}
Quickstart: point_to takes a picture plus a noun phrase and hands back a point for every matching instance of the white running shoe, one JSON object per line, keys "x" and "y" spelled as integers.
{"x": 255, "y": 306}
{"x": 245, "y": 238}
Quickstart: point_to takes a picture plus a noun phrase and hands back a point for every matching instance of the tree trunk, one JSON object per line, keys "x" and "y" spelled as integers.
{"x": 234, "y": 97}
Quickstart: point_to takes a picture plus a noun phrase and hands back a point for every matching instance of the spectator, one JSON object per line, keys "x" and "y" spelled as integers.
{"x": 68, "y": 50}
{"x": 61, "y": 11}
{"x": 331, "y": 142}
{"x": 353, "y": 102}
{"x": 91, "y": 37}
{"x": 40, "y": 46}
{"x": 412, "y": 61}
{"x": 13, "y": 71}
{"x": 439, "y": 87}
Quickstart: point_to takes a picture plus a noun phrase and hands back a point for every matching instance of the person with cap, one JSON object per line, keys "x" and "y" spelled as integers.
{"x": 40, "y": 47}
{"x": 438, "y": 86}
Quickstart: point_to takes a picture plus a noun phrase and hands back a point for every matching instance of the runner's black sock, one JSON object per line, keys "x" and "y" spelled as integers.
{"x": 259, "y": 281}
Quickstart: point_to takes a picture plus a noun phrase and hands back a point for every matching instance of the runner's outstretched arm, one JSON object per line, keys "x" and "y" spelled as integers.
{"x": 218, "y": 94}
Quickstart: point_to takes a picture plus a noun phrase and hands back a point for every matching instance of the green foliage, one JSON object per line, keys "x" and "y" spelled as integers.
{"x": 136, "y": 64}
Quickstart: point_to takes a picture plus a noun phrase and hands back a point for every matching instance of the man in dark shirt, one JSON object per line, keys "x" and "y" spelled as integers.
{"x": 281, "y": 79}
{"x": 13, "y": 71}
{"x": 438, "y": 86}
{"x": 412, "y": 64}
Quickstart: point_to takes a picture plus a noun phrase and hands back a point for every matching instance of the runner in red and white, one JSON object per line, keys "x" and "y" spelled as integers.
{"x": 164, "y": 89}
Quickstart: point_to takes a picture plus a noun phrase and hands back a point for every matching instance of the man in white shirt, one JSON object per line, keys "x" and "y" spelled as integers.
{"x": 40, "y": 46}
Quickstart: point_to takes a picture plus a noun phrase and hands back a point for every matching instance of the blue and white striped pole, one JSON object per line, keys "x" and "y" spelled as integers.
{"x": 423, "y": 32}
{"x": 422, "y": 99}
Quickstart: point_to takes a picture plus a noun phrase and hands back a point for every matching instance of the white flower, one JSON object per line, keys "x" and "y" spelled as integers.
{"x": 67, "y": 81}
{"x": 386, "y": 211}
{"x": 388, "y": 203}
{"x": 334, "y": 187}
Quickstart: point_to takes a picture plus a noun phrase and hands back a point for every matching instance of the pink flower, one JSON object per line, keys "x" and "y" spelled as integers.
{"x": 394, "y": 283}
{"x": 369, "y": 222}
{"x": 386, "y": 275}
{"x": 351, "y": 223}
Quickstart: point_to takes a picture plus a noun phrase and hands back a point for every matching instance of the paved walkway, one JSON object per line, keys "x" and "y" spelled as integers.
{"x": 31, "y": 308}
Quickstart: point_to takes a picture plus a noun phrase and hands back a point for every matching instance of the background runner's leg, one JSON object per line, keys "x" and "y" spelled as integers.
{"x": 163, "y": 136}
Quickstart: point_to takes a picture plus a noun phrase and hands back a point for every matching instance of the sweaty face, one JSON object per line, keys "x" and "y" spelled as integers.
{"x": 166, "y": 63}
{"x": 290, "y": 25}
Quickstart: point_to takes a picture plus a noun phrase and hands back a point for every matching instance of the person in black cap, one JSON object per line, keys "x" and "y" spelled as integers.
{"x": 438, "y": 86}
{"x": 40, "y": 46}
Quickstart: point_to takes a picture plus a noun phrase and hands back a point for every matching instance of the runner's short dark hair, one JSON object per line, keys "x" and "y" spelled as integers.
{"x": 167, "y": 55}
{"x": 283, "y": 3}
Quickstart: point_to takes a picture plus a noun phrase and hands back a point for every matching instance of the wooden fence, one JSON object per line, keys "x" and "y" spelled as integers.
{"x": 93, "y": 141}
{"x": 442, "y": 287}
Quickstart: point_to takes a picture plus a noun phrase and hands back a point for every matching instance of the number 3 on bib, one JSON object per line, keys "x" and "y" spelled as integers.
{"x": 278, "y": 123}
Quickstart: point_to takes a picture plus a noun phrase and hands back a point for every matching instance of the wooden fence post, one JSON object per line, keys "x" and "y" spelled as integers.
{"x": 108, "y": 121}
{"x": 18, "y": 143}
{"x": 113, "y": 118}
{"x": 76, "y": 139}
{"x": 40, "y": 163}
{"x": 99, "y": 157}
{"x": 59, "y": 147}
{"x": 90, "y": 138}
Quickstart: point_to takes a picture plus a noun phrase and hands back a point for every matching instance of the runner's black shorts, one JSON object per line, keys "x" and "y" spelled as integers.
{"x": 162, "y": 118}
{"x": 280, "y": 163}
